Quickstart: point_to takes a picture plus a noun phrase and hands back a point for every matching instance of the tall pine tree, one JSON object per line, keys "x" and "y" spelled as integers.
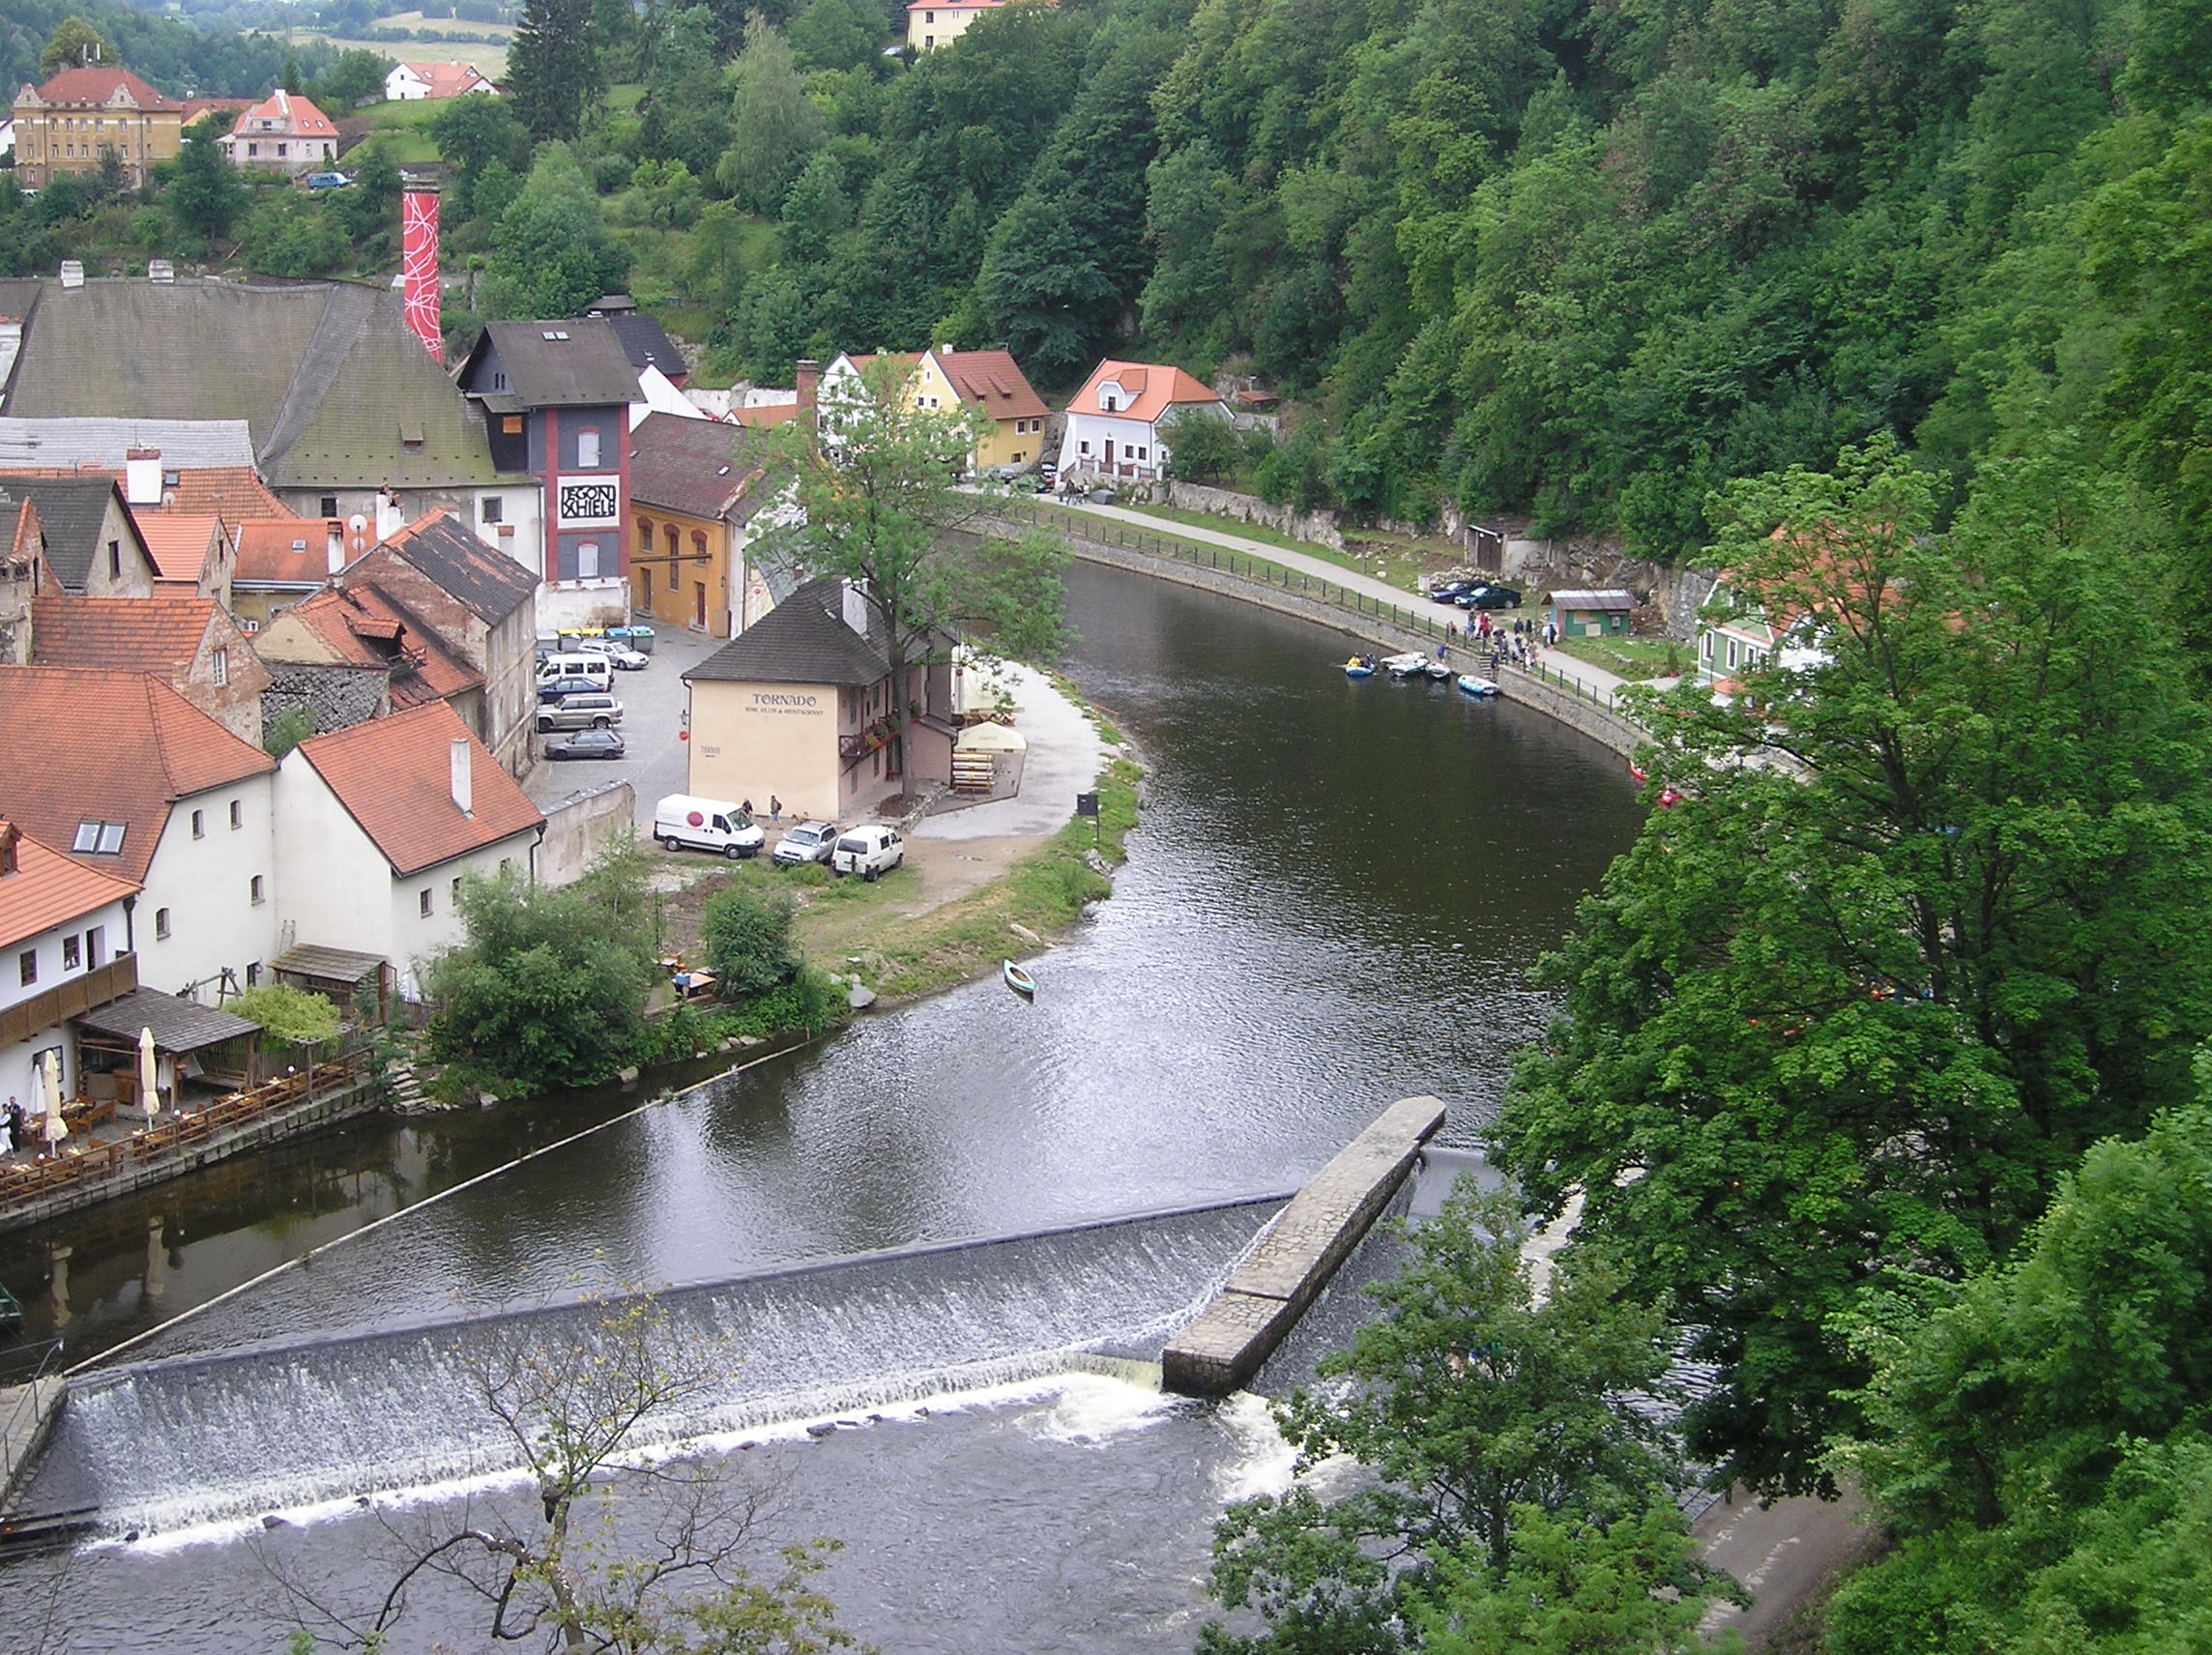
{"x": 553, "y": 71}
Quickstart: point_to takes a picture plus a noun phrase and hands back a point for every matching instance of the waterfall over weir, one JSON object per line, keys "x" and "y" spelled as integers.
{"x": 168, "y": 1444}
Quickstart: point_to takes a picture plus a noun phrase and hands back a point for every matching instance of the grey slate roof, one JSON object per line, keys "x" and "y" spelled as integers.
{"x": 573, "y": 363}
{"x": 326, "y": 377}
{"x": 647, "y": 344}
{"x": 178, "y": 1025}
{"x": 701, "y": 468}
{"x": 802, "y": 640}
{"x": 71, "y": 512}
{"x": 491, "y": 586}
{"x": 184, "y": 444}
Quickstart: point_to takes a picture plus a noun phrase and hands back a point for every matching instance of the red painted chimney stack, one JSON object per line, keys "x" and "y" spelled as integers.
{"x": 418, "y": 264}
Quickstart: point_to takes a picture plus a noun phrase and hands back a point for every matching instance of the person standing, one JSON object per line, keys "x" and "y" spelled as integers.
{"x": 775, "y": 808}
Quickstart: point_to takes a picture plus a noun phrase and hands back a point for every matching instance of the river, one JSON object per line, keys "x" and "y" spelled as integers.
{"x": 1333, "y": 901}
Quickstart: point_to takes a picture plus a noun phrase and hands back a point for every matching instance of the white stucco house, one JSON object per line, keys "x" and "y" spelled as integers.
{"x": 122, "y": 774}
{"x": 60, "y": 925}
{"x": 414, "y": 82}
{"x": 1116, "y": 423}
{"x": 382, "y": 822}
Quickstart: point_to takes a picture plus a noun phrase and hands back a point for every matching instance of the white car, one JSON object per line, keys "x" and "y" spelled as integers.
{"x": 807, "y": 842}
{"x": 870, "y": 849}
{"x": 618, "y": 653}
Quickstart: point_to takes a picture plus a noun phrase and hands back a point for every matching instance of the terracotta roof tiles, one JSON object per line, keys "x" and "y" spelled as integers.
{"x": 364, "y": 628}
{"x": 48, "y": 889}
{"x": 108, "y": 746}
{"x": 178, "y": 541}
{"x": 161, "y": 634}
{"x": 990, "y": 381}
{"x": 394, "y": 777}
{"x": 100, "y": 83}
{"x": 282, "y": 551}
{"x": 1148, "y": 390}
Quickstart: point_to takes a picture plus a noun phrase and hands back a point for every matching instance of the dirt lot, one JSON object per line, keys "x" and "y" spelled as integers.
{"x": 831, "y": 924}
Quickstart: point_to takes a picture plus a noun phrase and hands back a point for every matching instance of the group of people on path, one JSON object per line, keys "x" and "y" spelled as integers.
{"x": 1521, "y": 646}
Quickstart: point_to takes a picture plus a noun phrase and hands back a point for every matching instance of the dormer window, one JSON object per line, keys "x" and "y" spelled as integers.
{"x": 98, "y": 838}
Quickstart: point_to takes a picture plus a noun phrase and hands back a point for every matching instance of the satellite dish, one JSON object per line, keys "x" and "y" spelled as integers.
{"x": 357, "y": 522}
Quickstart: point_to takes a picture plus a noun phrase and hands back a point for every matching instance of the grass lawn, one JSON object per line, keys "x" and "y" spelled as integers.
{"x": 1633, "y": 659}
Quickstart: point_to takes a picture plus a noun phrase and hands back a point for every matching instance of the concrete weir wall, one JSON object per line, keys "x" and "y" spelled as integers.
{"x": 1314, "y": 1235}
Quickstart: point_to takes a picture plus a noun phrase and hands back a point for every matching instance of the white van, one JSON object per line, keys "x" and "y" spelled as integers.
{"x": 868, "y": 850}
{"x": 706, "y": 825}
{"x": 597, "y": 668}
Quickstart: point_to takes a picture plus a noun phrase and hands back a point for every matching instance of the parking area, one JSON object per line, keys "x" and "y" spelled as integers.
{"x": 651, "y": 731}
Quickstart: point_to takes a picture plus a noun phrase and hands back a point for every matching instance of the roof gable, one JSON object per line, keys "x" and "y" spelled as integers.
{"x": 108, "y": 86}
{"x": 489, "y": 585}
{"x": 73, "y": 511}
{"x": 180, "y": 543}
{"x": 702, "y": 468}
{"x": 394, "y": 777}
{"x": 991, "y": 381}
{"x": 578, "y": 363}
{"x": 335, "y": 389}
{"x": 366, "y": 626}
{"x": 91, "y": 745}
{"x": 802, "y": 640}
{"x": 131, "y": 635}
{"x": 1147, "y": 391}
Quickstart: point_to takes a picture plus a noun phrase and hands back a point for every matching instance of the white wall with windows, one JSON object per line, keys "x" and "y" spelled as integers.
{"x": 205, "y": 923}
{"x": 37, "y": 964}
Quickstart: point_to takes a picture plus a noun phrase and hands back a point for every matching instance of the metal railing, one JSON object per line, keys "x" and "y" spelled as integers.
{"x": 1200, "y": 554}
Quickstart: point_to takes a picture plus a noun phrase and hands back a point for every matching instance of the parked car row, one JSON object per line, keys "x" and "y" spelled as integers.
{"x": 1476, "y": 595}
{"x": 685, "y": 822}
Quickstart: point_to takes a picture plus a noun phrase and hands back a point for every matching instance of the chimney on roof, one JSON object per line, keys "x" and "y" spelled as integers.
{"x": 73, "y": 272}
{"x": 854, "y": 599}
{"x": 160, "y": 270}
{"x": 809, "y": 376}
{"x": 944, "y": 350}
{"x": 334, "y": 543}
{"x": 142, "y": 476}
{"x": 463, "y": 796}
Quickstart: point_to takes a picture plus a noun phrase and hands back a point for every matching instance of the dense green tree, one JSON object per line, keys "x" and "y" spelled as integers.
{"x": 355, "y": 75}
{"x": 773, "y": 126}
{"x": 686, "y": 112}
{"x": 746, "y": 938}
{"x": 74, "y": 44}
{"x": 881, "y": 503}
{"x": 550, "y": 988}
{"x": 205, "y": 196}
{"x": 1201, "y": 447}
{"x": 837, "y": 34}
{"x": 552, "y": 254}
{"x": 1921, "y": 930}
{"x": 474, "y": 132}
{"x": 1498, "y": 1426}
{"x": 2035, "y": 1439}
{"x": 553, "y": 72}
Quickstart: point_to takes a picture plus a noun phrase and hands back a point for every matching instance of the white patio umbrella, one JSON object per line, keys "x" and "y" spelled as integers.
{"x": 50, "y": 1083}
{"x": 149, "y": 1077}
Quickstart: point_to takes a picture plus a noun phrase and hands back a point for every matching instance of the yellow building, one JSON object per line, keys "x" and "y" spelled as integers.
{"x": 70, "y": 122}
{"x": 695, "y": 486}
{"x": 799, "y": 709}
{"x": 934, "y": 23}
{"x": 987, "y": 382}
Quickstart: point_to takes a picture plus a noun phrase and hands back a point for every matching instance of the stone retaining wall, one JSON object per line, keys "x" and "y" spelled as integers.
{"x": 580, "y": 826}
{"x": 1576, "y": 711}
{"x": 1293, "y": 1261}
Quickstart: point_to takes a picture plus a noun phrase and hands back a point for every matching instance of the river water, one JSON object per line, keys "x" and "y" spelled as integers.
{"x": 1332, "y": 902}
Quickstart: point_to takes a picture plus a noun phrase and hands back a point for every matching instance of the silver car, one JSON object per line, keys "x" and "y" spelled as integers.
{"x": 806, "y": 842}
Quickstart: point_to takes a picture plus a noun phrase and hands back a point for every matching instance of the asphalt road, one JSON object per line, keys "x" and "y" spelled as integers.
{"x": 654, "y": 700}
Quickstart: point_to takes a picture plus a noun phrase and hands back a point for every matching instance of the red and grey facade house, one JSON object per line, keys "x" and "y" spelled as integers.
{"x": 556, "y": 400}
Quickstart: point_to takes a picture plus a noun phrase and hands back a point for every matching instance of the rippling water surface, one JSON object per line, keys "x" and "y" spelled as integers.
{"x": 1333, "y": 901}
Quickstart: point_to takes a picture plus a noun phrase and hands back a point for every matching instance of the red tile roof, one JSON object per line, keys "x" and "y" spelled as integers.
{"x": 282, "y": 551}
{"x": 231, "y": 492}
{"x": 108, "y": 746}
{"x": 1149, "y": 389}
{"x": 195, "y": 107}
{"x": 362, "y": 627}
{"x": 179, "y": 542}
{"x": 394, "y": 777}
{"x": 293, "y": 114}
{"x": 48, "y": 889}
{"x": 451, "y": 79}
{"x": 990, "y": 381}
{"x": 159, "y": 634}
{"x": 97, "y": 83}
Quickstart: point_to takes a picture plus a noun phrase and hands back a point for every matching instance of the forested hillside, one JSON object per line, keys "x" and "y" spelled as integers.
{"x": 1587, "y": 261}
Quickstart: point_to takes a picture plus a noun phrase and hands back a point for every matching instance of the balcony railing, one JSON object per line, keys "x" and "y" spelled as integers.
{"x": 70, "y": 999}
